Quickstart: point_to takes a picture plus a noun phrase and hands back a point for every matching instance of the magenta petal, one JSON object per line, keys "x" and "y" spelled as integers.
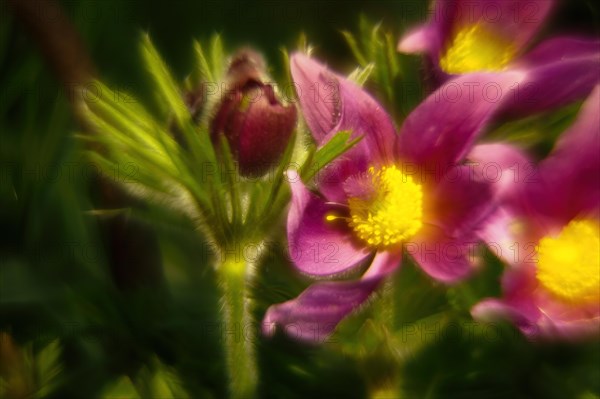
{"x": 569, "y": 178}
{"x": 319, "y": 247}
{"x": 517, "y": 21}
{"x": 331, "y": 179}
{"x": 431, "y": 37}
{"x": 441, "y": 130}
{"x": 559, "y": 71}
{"x": 418, "y": 40}
{"x": 461, "y": 201}
{"x": 536, "y": 312}
{"x": 560, "y": 48}
{"x": 341, "y": 105}
{"x": 518, "y": 304}
{"x": 497, "y": 233}
{"x": 494, "y": 310}
{"x": 505, "y": 166}
{"x": 314, "y": 315}
{"x": 444, "y": 259}
{"x": 316, "y": 88}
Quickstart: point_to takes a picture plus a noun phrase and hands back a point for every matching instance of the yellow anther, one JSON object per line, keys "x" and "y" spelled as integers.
{"x": 477, "y": 48}
{"x": 392, "y": 213}
{"x": 569, "y": 264}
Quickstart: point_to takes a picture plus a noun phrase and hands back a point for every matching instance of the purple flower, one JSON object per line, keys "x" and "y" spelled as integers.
{"x": 466, "y": 36}
{"x": 390, "y": 193}
{"x": 548, "y": 233}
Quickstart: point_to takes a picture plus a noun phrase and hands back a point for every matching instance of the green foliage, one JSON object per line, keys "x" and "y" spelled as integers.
{"x": 328, "y": 152}
{"x": 537, "y": 132}
{"x": 395, "y": 77}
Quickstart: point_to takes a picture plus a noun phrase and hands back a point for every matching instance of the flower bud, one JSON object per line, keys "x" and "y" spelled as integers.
{"x": 256, "y": 125}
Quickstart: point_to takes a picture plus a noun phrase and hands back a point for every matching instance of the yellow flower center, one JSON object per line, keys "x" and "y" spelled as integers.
{"x": 392, "y": 212}
{"x": 477, "y": 48}
{"x": 569, "y": 264}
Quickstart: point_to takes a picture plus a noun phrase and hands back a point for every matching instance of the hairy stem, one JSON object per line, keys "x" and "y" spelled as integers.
{"x": 239, "y": 329}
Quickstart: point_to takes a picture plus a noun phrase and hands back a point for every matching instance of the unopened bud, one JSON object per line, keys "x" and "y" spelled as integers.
{"x": 256, "y": 125}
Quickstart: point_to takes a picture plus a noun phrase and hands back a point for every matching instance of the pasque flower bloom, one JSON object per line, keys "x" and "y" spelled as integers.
{"x": 388, "y": 193}
{"x": 548, "y": 232}
{"x": 466, "y": 36}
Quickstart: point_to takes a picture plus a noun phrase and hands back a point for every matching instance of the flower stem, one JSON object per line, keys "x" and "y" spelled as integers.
{"x": 384, "y": 382}
{"x": 239, "y": 330}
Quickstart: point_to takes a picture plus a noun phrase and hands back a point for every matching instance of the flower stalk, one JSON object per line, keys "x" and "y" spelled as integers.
{"x": 238, "y": 326}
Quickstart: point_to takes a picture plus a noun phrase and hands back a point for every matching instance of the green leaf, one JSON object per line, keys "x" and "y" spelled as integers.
{"x": 48, "y": 368}
{"x": 217, "y": 56}
{"x": 358, "y": 54}
{"x": 485, "y": 283}
{"x": 339, "y": 144}
{"x": 361, "y": 75}
{"x": 540, "y": 130}
{"x": 271, "y": 202}
{"x": 122, "y": 388}
{"x": 167, "y": 88}
{"x": 206, "y": 72}
{"x": 232, "y": 180}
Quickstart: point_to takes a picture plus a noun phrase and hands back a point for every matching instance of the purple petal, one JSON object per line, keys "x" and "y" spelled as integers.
{"x": 330, "y": 180}
{"x": 518, "y": 304}
{"x": 461, "y": 202}
{"x": 441, "y": 130}
{"x": 316, "y": 88}
{"x": 568, "y": 183}
{"x": 581, "y": 325}
{"x": 341, "y": 105}
{"x": 314, "y": 315}
{"x": 500, "y": 237}
{"x": 443, "y": 258}
{"x": 494, "y": 310}
{"x": 319, "y": 247}
{"x": 560, "y": 48}
{"x": 433, "y": 34}
{"x": 536, "y": 312}
{"x": 419, "y": 40}
{"x": 505, "y": 166}
{"x": 517, "y": 21}
{"x": 559, "y": 71}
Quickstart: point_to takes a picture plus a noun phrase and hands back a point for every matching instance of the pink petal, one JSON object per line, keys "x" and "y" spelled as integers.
{"x": 503, "y": 165}
{"x": 517, "y": 21}
{"x": 535, "y": 312}
{"x": 314, "y": 315}
{"x": 568, "y": 183}
{"x": 418, "y": 40}
{"x": 316, "y": 88}
{"x": 461, "y": 202}
{"x": 341, "y": 105}
{"x": 495, "y": 310}
{"x": 440, "y": 131}
{"x": 444, "y": 259}
{"x": 559, "y": 71}
{"x": 319, "y": 247}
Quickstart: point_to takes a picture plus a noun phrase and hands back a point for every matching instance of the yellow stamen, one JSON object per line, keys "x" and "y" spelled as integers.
{"x": 331, "y": 217}
{"x": 569, "y": 264}
{"x": 391, "y": 213}
{"x": 477, "y": 48}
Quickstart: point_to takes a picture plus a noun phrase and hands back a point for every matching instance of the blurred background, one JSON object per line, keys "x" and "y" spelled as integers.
{"x": 99, "y": 298}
